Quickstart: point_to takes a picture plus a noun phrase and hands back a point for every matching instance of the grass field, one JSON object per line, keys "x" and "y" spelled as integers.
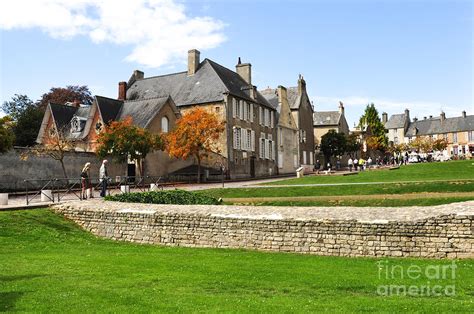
{"x": 452, "y": 170}
{"x": 47, "y": 264}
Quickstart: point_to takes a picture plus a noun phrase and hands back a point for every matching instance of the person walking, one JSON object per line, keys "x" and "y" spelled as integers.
{"x": 350, "y": 163}
{"x": 103, "y": 177}
{"x": 356, "y": 163}
{"x": 85, "y": 181}
{"x": 318, "y": 166}
{"x": 361, "y": 164}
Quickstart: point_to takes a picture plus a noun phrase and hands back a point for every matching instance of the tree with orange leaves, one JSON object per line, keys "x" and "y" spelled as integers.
{"x": 122, "y": 139}
{"x": 195, "y": 135}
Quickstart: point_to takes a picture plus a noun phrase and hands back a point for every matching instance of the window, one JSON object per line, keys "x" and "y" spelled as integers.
{"x": 234, "y": 107}
{"x": 260, "y": 115}
{"x": 303, "y": 136}
{"x": 164, "y": 125}
{"x": 280, "y": 140}
{"x": 395, "y": 140}
{"x": 266, "y": 117}
{"x": 237, "y": 138}
{"x": 75, "y": 125}
{"x": 311, "y": 158}
{"x": 455, "y": 150}
{"x": 217, "y": 109}
{"x": 470, "y": 136}
{"x": 304, "y": 157}
{"x": 271, "y": 119}
{"x": 247, "y": 116}
{"x": 270, "y": 149}
{"x": 445, "y": 136}
{"x": 455, "y": 137}
{"x": 241, "y": 108}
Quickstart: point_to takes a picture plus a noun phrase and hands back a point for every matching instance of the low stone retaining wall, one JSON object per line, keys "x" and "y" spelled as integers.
{"x": 435, "y": 232}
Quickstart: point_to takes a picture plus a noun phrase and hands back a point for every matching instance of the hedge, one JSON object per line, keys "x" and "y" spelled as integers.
{"x": 179, "y": 197}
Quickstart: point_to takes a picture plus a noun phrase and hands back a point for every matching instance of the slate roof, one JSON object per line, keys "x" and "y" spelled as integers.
{"x": 209, "y": 84}
{"x": 142, "y": 111}
{"x": 62, "y": 114}
{"x": 271, "y": 96}
{"x": 436, "y": 126}
{"x": 323, "y": 118}
{"x": 108, "y": 107}
{"x": 396, "y": 121}
{"x": 294, "y": 99}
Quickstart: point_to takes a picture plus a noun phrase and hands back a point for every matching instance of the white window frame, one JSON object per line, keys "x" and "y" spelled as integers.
{"x": 455, "y": 137}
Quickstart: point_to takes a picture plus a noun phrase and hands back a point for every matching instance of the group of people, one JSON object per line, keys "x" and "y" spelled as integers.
{"x": 360, "y": 163}
{"x": 87, "y": 189}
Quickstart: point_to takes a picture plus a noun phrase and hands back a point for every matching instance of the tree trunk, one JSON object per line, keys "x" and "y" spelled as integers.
{"x": 199, "y": 169}
{"x": 63, "y": 167}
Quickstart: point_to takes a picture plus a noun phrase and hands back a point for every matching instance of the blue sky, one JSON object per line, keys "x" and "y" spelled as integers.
{"x": 397, "y": 54}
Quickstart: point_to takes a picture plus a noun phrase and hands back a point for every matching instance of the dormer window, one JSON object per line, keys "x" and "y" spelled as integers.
{"x": 98, "y": 127}
{"x": 77, "y": 124}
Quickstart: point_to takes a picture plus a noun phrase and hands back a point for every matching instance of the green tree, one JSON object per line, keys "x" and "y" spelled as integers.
{"x": 122, "y": 139}
{"x": 352, "y": 144}
{"x": 26, "y": 117}
{"x": 333, "y": 144}
{"x": 7, "y": 137}
{"x": 371, "y": 119}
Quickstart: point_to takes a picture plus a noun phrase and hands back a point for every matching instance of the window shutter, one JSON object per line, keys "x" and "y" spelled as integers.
{"x": 245, "y": 110}
{"x": 235, "y": 138}
{"x": 242, "y": 139}
{"x": 252, "y": 140}
{"x": 267, "y": 149}
{"x": 271, "y": 119}
{"x": 241, "y": 109}
{"x": 260, "y": 114}
{"x": 273, "y": 150}
{"x": 251, "y": 112}
{"x": 234, "y": 107}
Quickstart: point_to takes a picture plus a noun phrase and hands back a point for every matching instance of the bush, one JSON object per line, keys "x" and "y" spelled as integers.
{"x": 179, "y": 197}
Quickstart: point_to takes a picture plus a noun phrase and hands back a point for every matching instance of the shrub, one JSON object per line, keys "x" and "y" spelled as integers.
{"x": 180, "y": 197}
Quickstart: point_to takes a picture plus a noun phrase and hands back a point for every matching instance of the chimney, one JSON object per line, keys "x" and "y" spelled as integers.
{"x": 139, "y": 75}
{"x": 122, "y": 90}
{"x": 407, "y": 115}
{"x": 281, "y": 94}
{"x": 424, "y": 118}
{"x": 384, "y": 117}
{"x": 463, "y": 114}
{"x": 245, "y": 71}
{"x": 443, "y": 116}
{"x": 301, "y": 85}
{"x": 193, "y": 61}
{"x": 341, "y": 108}
{"x": 431, "y": 117}
{"x": 415, "y": 119}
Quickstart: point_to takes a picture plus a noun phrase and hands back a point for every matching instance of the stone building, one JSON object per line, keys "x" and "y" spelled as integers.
{"x": 246, "y": 147}
{"x": 302, "y": 111}
{"x": 396, "y": 126}
{"x": 83, "y": 124}
{"x": 324, "y": 121}
{"x": 457, "y": 131}
{"x": 287, "y": 132}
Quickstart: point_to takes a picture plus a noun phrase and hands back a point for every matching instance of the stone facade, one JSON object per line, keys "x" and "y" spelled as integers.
{"x": 436, "y": 232}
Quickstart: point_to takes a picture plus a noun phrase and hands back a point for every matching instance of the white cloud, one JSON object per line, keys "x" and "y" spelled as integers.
{"x": 159, "y": 31}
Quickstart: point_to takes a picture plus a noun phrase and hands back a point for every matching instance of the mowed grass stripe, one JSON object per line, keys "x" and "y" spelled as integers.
{"x": 466, "y": 195}
{"x": 388, "y": 188}
{"x": 452, "y": 170}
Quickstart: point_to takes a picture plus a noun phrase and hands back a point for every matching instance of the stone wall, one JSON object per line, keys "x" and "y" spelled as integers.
{"x": 445, "y": 234}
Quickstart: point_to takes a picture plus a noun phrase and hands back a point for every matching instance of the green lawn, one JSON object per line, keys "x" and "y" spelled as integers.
{"x": 47, "y": 264}
{"x": 452, "y": 170}
{"x": 382, "y": 202}
{"x": 336, "y": 190}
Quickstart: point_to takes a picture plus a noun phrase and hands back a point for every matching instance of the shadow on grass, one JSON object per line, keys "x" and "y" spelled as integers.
{"x": 8, "y": 300}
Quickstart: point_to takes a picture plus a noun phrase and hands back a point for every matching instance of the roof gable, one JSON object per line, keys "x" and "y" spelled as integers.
{"x": 142, "y": 111}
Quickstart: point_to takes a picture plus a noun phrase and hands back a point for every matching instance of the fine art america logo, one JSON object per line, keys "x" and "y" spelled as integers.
{"x": 428, "y": 280}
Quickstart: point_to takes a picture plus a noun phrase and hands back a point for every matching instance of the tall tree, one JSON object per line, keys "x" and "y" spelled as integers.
{"x": 123, "y": 140}
{"x": 26, "y": 117}
{"x": 333, "y": 144}
{"x": 371, "y": 119}
{"x": 7, "y": 137}
{"x": 439, "y": 144}
{"x": 352, "y": 144}
{"x": 71, "y": 93}
{"x": 195, "y": 135}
